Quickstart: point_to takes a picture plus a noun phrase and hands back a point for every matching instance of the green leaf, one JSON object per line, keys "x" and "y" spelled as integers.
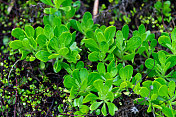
{"x": 59, "y": 30}
{"x": 32, "y": 58}
{"x": 173, "y": 35}
{"x": 144, "y": 92}
{"x": 69, "y": 82}
{"x": 24, "y": 54}
{"x": 83, "y": 85}
{"x": 101, "y": 56}
{"x": 100, "y": 37}
{"x": 101, "y": 68}
{"x": 91, "y": 44}
{"x": 87, "y": 21}
{"x": 80, "y": 65}
{"x": 111, "y": 50}
{"x": 162, "y": 81}
{"x": 109, "y": 33}
{"x": 92, "y": 77}
{"x": 66, "y": 67}
{"x": 129, "y": 56}
{"x": 162, "y": 58}
{"x": 111, "y": 68}
{"x": 103, "y": 110}
{"x": 167, "y": 111}
{"x": 38, "y": 31}
{"x": 58, "y": 3}
{"x": 123, "y": 85}
{"x": 125, "y": 31}
{"x": 153, "y": 43}
{"x": 90, "y": 97}
{"x": 95, "y": 105}
{"x": 126, "y": 73}
{"x": 48, "y": 11}
{"x": 17, "y": 33}
{"x": 63, "y": 51}
{"x": 87, "y": 16}
{"x": 48, "y": 2}
{"x": 41, "y": 40}
{"x": 141, "y": 29}
{"x": 57, "y": 66}
{"x": 29, "y": 31}
{"x": 165, "y": 41}
{"x": 111, "y": 108}
{"x": 84, "y": 109}
{"x": 154, "y": 97}
{"x": 54, "y": 43}
{"x": 147, "y": 84}
{"x": 33, "y": 42}
{"x": 119, "y": 39}
{"x": 110, "y": 96}
{"x": 171, "y": 86}
{"x": 109, "y": 83}
{"x": 156, "y": 86}
{"x": 48, "y": 31}
{"x": 133, "y": 43}
{"x": 26, "y": 44}
{"x": 66, "y": 9}
{"x": 98, "y": 84}
{"x": 73, "y": 92}
{"x": 158, "y": 5}
{"x": 163, "y": 90}
{"x": 141, "y": 50}
{"x": 104, "y": 47}
{"x": 83, "y": 74}
{"x": 94, "y": 56}
{"x": 43, "y": 55}
{"x": 74, "y": 24}
{"x": 65, "y": 39}
{"x": 52, "y": 56}
{"x": 56, "y": 21}
{"x": 171, "y": 59}
{"x": 149, "y": 63}
{"x": 70, "y": 12}
{"x": 76, "y": 76}
{"x": 16, "y": 44}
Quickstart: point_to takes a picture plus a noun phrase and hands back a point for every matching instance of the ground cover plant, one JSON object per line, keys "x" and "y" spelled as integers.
{"x": 71, "y": 64}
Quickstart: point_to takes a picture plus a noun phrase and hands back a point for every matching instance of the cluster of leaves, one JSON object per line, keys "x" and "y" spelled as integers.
{"x": 54, "y": 41}
{"x": 93, "y": 91}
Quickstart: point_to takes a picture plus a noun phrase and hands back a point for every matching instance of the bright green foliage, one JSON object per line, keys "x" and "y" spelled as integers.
{"x": 93, "y": 90}
{"x": 101, "y": 44}
{"x": 104, "y": 94}
{"x": 158, "y": 92}
{"x": 127, "y": 48}
{"x": 161, "y": 64}
{"x": 163, "y": 8}
{"x": 168, "y": 42}
{"x": 86, "y": 26}
{"x": 54, "y": 41}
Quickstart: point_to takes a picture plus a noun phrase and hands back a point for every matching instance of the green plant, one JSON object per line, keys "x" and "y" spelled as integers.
{"x": 158, "y": 94}
{"x": 161, "y": 64}
{"x": 86, "y": 26}
{"x": 168, "y": 42}
{"x": 114, "y": 75}
{"x": 163, "y": 9}
{"x": 54, "y": 41}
